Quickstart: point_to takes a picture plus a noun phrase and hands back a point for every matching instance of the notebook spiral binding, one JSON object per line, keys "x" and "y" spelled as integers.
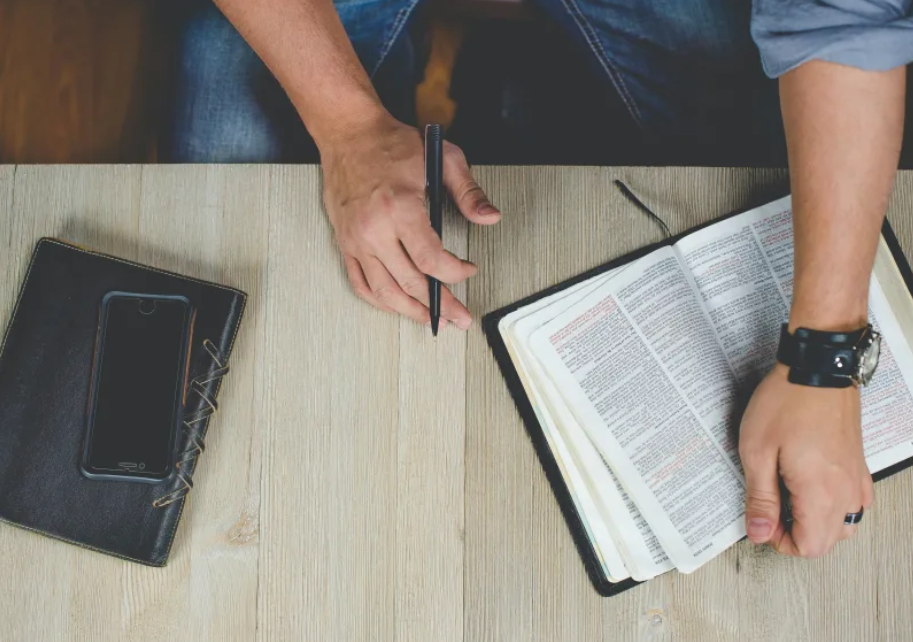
{"x": 191, "y": 424}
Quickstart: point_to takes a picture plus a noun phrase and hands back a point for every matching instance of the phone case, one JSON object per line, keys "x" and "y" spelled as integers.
{"x": 128, "y": 474}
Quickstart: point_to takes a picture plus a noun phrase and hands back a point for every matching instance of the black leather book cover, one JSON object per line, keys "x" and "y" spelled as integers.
{"x": 45, "y": 368}
{"x": 547, "y": 459}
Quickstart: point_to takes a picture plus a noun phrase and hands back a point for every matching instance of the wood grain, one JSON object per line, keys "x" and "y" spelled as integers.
{"x": 363, "y": 481}
{"x": 331, "y": 407}
{"x": 430, "y": 472}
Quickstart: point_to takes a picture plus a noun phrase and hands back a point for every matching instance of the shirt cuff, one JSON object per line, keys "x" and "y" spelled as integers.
{"x": 788, "y": 40}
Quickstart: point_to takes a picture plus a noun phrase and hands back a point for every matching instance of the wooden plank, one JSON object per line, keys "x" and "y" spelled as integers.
{"x": 330, "y": 398}
{"x": 210, "y": 222}
{"x": 363, "y": 475}
{"x": 44, "y": 581}
{"x": 430, "y": 473}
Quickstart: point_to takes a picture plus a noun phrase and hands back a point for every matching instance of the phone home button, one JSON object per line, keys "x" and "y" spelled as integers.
{"x": 147, "y": 306}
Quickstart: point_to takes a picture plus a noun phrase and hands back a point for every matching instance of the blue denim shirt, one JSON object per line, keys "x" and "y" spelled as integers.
{"x": 875, "y": 35}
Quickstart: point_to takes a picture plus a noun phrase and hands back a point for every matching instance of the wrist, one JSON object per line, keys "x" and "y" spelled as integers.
{"x": 334, "y": 129}
{"x": 830, "y": 314}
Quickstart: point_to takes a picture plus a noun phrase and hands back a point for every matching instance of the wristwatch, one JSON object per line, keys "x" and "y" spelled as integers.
{"x": 830, "y": 359}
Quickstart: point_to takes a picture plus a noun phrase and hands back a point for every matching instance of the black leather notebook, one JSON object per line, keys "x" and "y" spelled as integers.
{"x": 46, "y": 360}
{"x": 554, "y": 471}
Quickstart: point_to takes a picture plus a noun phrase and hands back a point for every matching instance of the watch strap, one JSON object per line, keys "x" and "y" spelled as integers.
{"x": 818, "y": 380}
{"x": 820, "y": 359}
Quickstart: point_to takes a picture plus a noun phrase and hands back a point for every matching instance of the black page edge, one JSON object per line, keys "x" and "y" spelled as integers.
{"x": 490, "y": 322}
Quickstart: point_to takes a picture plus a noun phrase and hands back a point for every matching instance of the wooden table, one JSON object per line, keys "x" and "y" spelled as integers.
{"x": 365, "y": 482}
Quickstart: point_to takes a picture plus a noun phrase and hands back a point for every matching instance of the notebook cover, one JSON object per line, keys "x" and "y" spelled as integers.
{"x": 552, "y": 471}
{"x": 45, "y": 367}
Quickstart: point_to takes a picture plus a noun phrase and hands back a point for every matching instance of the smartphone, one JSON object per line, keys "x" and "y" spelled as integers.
{"x": 136, "y": 398}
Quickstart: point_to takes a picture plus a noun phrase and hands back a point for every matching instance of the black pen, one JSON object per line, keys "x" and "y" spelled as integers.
{"x": 434, "y": 191}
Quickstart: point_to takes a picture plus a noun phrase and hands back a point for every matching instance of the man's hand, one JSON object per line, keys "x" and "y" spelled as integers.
{"x": 374, "y": 191}
{"x": 812, "y": 437}
{"x": 373, "y": 165}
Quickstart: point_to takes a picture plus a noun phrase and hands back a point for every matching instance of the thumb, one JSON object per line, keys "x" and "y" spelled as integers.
{"x": 466, "y": 193}
{"x": 762, "y": 509}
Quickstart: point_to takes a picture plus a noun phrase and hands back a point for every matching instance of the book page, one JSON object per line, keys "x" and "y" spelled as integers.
{"x": 743, "y": 268}
{"x": 641, "y": 550}
{"x": 591, "y": 517}
{"x": 663, "y": 305}
{"x": 603, "y": 354}
{"x": 739, "y": 290}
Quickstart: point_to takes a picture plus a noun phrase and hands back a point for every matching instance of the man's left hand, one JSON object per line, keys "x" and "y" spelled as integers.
{"x": 812, "y": 437}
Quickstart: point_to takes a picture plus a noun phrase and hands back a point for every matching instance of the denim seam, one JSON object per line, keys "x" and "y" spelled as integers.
{"x": 599, "y": 51}
{"x": 395, "y": 30}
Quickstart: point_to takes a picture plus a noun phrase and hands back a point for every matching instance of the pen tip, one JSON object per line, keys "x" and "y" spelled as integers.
{"x": 434, "y": 323}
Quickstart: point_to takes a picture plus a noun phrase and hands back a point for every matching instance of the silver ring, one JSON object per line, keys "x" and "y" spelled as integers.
{"x": 853, "y": 518}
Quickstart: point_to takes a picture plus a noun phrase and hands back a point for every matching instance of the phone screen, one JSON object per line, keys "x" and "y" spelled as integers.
{"x": 138, "y": 386}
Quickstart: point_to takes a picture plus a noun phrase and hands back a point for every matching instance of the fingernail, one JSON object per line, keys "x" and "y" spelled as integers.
{"x": 487, "y": 209}
{"x": 758, "y": 529}
{"x": 463, "y": 324}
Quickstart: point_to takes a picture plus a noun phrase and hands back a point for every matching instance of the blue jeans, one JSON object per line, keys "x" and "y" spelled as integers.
{"x": 686, "y": 70}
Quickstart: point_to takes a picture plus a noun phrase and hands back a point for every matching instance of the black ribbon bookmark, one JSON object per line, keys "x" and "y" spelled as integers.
{"x": 631, "y": 196}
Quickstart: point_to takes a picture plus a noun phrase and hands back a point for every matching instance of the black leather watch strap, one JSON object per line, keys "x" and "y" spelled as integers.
{"x": 817, "y": 380}
{"x": 821, "y": 359}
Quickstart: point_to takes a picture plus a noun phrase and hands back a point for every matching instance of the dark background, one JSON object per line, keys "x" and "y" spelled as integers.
{"x": 86, "y": 81}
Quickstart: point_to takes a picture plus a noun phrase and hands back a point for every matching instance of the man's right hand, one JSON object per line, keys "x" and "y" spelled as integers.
{"x": 374, "y": 192}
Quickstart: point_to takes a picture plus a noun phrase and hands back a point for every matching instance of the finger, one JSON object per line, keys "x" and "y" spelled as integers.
{"x": 762, "y": 508}
{"x": 389, "y": 293}
{"x": 415, "y": 284}
{"x": 782, "y": 542}
{"x": 360, "y": 284}
{"x": 454, "y": 310}
{"x": 820, "y": 513}
{"x": 427, "y": 252}
{"x": 468, "y": 196}
{"x": 867, "y": 498}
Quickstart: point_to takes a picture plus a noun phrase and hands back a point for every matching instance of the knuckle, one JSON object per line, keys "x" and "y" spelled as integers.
{"x": 384, "y": 294}
{"x": 386, "y": 202}
{"x": 822, "y": 500}
{"x": 362, "y": 291}
{"x": 762, "y": 501}
{"x": 469, "y": 190}
{"x": 426, "y": 260}
{"x": 414, "y": 286}
{"x": 368, "y": 224}
{"x": 752, "y": 457}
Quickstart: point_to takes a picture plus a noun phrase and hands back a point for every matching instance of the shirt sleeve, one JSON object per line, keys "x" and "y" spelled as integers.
{"x": 875, "y": 35}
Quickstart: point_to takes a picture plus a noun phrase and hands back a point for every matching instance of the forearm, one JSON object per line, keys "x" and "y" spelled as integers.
{"x": 305, "y": 46}
{"x": 843, "y": 130}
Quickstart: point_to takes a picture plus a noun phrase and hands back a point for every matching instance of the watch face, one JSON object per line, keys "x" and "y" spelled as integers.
{"x": 868, "y": 360}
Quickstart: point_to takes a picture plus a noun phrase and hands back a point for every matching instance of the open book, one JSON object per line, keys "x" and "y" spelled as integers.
{"x": 637, "y": 377}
